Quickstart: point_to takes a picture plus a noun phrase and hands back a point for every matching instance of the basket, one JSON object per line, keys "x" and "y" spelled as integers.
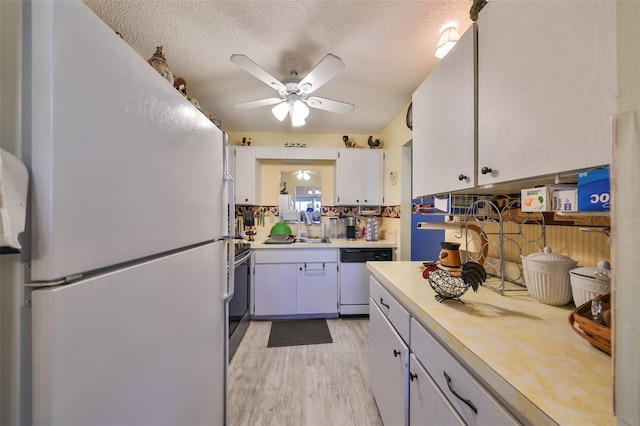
{"x": 447, "y": 287}
{"x": 599, "y": 335}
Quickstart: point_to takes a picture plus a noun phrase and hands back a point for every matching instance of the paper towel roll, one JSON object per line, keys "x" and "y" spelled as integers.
{"x": 14, "y": 180}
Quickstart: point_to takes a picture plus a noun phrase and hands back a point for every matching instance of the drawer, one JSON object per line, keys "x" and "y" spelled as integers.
{"x": 397, "y": 315}
{"x": 292, "y": 255}
{"x": 440, "y": 364}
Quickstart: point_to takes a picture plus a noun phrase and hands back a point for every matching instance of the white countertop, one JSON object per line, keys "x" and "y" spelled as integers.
{"x": 336, "y": 243}
{"x": 522, "y": 349}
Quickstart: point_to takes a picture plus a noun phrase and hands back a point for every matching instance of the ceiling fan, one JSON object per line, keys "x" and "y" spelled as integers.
{"x": 294, "y": 92}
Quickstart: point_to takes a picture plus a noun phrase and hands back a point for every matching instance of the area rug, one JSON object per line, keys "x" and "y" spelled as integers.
{"x": 299, "y": 332}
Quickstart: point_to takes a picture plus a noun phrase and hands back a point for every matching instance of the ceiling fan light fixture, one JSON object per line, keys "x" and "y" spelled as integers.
{"x": 448, "y": 38}
{"x": 294, "y": 91}
{"x": 280, "y": 111}
{"x": 303, "y": 175}
{"x": 297, "y": 121}
{"x": 299, "y": 111}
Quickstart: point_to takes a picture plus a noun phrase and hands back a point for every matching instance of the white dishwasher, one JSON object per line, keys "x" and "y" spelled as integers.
{"x": 354, "y": 277}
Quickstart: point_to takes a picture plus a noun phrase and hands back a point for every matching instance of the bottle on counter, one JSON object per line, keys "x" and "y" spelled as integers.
{"x": 333, "y": 227}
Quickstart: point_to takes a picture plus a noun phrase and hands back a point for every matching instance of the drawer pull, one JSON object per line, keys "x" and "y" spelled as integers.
{"x": 413, "y": 376}
{"x": 313, "y": 269}
{"x": 396, "y": 353}
{"x": 466, "y": 401}
{"x": 383, "y": 304}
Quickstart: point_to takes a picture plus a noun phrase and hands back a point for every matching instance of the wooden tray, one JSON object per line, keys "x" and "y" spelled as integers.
{"x": 581, "y": 320}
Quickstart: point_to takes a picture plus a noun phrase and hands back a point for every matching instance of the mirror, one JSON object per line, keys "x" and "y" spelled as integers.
{"x": 300, "y": 190}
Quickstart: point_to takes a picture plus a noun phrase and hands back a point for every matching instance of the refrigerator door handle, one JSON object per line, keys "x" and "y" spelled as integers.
{"x": 231, "y": 270}
{"x": 231, "y": 187}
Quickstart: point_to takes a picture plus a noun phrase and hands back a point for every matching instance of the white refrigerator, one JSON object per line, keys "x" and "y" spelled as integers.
{"x": 130, "y": 232}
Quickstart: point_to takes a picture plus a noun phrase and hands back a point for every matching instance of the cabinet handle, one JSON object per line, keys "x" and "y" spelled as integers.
{"x": 413, "y": 376}
{"x": 313, "y": 269}
{"x": 466, "y": 401}
{"x": 461, "y": 177}
{"x": 383, "y": 304}
{"x": 396, "y": 353}
{"x": 485, "y": 170}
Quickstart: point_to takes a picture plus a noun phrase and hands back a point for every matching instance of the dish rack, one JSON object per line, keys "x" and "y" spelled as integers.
{"x": 502, "y": 232}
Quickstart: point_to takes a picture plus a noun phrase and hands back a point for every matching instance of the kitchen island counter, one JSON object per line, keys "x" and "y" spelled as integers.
{"x": 523, "y": 351}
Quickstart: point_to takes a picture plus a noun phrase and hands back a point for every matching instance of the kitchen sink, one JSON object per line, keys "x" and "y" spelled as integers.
{"x": 313, "y": 240}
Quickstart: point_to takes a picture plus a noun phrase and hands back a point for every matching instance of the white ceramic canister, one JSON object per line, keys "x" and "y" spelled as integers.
{"x": 546, "y": 276}
{"x": 588, "y": 282}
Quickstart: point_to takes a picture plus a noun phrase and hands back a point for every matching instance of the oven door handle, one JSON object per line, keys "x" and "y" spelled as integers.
{"x": 231, "y": 286}
{"x": 242, "y": 259}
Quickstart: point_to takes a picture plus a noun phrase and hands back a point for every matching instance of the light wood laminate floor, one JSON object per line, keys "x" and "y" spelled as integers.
{"x": 321, "y": 385}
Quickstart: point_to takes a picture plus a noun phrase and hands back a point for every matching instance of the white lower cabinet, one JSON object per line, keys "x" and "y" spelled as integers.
{"x": 317, "y": 288}
{"x": 427, "y": 404}
{"x": 414, "y": 378}
{"x": 388, "y": 368}
{"x": 295, "y": 282}
{"x": 275, "y": 289}
{"x": 469, "y": 398}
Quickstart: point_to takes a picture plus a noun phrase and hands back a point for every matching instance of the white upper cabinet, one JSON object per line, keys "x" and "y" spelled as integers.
{"x": 360, "y": 177}
{"x": 444, "y": 146}
{"x": 546, "y": 87}
{"x": 246, "y": 173}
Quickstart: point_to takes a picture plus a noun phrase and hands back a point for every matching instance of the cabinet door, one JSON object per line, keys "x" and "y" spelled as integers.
{"x": 317, "y": 288}
{"x": 388, "y": 368}
{"x": 348, "y": 177}
{"x": 372, "y": 173}
{"x": 546, "y": 87}
{"x": 475, "y": 404}
{"x": 275, "y": 289}
{"x": 427, "y": 404}
{"x": 245, "y": 175}
{"x": 444, "y": 126}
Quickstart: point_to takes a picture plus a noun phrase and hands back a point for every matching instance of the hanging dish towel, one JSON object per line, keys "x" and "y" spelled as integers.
{"x": 14, "y": 179}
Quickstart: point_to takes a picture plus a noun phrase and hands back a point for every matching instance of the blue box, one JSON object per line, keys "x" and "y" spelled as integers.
{"x": 594, "y": 190}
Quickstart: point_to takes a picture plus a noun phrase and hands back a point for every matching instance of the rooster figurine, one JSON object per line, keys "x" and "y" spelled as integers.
{"x": 451, "y": 283}
{"x": 347, "y": 142}
{"x": 373, "y": 143}
{"x": 159, "y": 63}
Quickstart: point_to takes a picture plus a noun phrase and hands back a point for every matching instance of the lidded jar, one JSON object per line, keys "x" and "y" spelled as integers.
{"x": 450, "y": 255}
{"x": 546, "y": 276}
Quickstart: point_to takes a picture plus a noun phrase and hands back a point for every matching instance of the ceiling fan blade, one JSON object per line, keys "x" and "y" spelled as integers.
{"x": 330, "y": 105}
{"x": 257, "y": 71}
{"x": 259, "y": 103}
{"x": 325, "y": 70}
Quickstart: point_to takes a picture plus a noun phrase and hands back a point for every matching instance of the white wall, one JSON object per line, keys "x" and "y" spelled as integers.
{"x": 396, "y": 136}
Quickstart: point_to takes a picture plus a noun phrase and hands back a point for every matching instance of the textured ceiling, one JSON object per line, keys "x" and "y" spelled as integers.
{"x": 387, "y": 48}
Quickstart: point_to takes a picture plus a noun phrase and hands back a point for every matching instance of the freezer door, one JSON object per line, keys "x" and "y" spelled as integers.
{"x": 141, "y": 346}
{"x": 123, "y": 166}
